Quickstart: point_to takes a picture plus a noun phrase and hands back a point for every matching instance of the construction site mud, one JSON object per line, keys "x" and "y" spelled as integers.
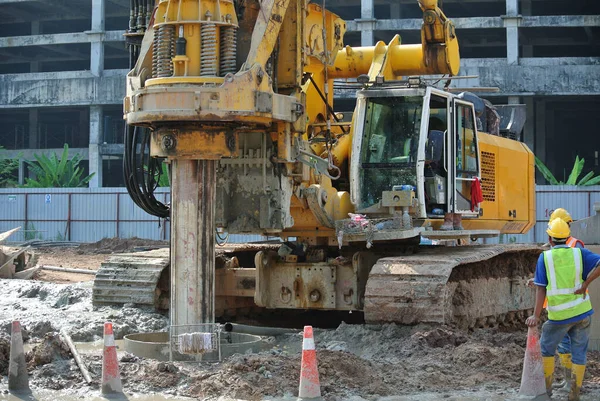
{"x": 356, "y": 362}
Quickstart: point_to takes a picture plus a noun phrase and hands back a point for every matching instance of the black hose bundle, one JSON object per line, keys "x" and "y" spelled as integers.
{"x": 142, "y": 172}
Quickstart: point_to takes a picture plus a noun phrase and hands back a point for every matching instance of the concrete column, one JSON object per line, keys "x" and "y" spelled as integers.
{"x": 97, "y": 32}
{"x": 512, "y": 7}
{"x": 512, "y": 20}
{"x": 34, "y": 66}
{"x": 95, "y": 158}
{"x": 526, "y": 7}
{"x": 34, "y": 137}
{"x": 193, "y": 189}
{"x": 367, "y": 23}
{"x": 526, "y": 10}
{"x": 395, "y": 11}
{"x": 21, "y": 172}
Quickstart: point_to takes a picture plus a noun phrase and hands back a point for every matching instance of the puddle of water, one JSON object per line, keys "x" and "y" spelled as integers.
{"x": 49, "y": 395}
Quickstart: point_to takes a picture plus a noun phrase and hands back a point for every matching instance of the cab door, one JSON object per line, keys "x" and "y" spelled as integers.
{"x": 463, "y": 163}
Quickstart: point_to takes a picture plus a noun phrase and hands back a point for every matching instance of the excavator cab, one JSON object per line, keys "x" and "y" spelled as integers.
{"x": 418, "y": 138}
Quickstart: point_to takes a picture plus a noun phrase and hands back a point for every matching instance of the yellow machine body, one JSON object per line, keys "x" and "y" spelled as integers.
{"x": 238, "y": 99}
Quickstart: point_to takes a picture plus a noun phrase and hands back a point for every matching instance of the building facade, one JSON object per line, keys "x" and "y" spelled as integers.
{"x": 63, "y": 63}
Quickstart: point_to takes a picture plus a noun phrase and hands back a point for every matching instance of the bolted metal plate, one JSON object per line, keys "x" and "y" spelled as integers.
{"x": 305, "y": 285}
{"x": 397, "y": 198}
{"x": 263, "y": 102}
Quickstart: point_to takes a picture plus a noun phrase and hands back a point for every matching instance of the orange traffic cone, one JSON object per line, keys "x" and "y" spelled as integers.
{"x": 533, "y": 384}
{"x": 17, "y": 367}
{"x": 111, "y": 379}
{"x": 310, "y": 388}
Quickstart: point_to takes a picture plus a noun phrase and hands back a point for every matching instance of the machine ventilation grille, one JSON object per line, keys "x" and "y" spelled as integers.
{"x": 488, "y": 176}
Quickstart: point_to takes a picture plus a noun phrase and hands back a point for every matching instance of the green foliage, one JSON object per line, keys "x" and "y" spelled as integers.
{"x": 163, "y": 179}
{"x": 7, "y": 169}
{"x": 587, "y": 179}
{"x": 164, "y": 176}
{"x": 52, "y": 172}
{"x": 31, "y": 233}
{"x": 60, "y": 236}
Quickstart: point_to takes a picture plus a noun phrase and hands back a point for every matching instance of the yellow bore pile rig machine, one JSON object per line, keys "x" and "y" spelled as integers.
{"x": 237, "y": 98}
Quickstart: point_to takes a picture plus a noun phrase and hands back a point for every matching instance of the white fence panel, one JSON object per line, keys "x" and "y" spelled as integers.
{"x": 90, "y": 214}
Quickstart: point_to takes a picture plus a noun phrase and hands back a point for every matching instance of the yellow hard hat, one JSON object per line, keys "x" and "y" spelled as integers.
{"x": 562, "y": 214}
{"x": 559, "y": 229}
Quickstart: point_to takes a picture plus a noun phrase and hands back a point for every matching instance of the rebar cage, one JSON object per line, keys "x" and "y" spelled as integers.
{"x": 195, "y": 342}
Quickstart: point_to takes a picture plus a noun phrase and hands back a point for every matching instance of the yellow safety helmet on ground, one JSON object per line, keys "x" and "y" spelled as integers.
{"x": 562, "y": 214}
{"x": 558, "y": 229}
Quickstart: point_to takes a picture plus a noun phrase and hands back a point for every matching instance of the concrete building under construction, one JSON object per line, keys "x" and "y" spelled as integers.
{"x": 63, "y": 65}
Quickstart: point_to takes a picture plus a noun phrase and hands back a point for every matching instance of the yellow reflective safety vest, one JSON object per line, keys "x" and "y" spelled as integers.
{"x": 564, "y": 269}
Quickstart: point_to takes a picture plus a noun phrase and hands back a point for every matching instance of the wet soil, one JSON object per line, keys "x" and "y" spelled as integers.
{"x": 356, "y": 362}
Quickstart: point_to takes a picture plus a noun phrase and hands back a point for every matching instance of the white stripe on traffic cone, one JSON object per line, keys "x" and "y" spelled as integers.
{"x": 310, "y": 388}
{"x": 111, "y": 379}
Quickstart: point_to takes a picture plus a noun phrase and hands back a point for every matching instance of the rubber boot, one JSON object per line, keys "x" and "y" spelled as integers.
{"x": 577, "y": 373}
{"x": 447, "y": 226}
{"x": 565, "y": 362}
{"x": 548, "y": 362}
{"x": 457, "y": 221}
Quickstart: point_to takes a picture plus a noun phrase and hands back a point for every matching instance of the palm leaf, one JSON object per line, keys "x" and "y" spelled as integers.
{"x": 577, "y": 167}
{"x": 586, "y": 178}
{"x": 87, "y": 179}
{"x": 54, "y": 172}
{"x": 63, "y": 161}
{"x": 593, "y": 181}
{"x": 545, "y": 172}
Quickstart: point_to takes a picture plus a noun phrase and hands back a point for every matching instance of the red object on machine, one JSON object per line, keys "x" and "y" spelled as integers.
{"x": 476, "y": 194}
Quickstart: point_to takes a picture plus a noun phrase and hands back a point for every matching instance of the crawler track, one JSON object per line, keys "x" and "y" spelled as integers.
{"x": 467, "y": 286}
{"x": 470, "y": 286}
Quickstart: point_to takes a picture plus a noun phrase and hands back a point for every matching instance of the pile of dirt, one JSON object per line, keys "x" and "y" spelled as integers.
{"x": 356, "y": 362}
{"x": 252, "y": 377}
{"x": 118, "y": 245}
{"x": 52, "y": 348}
{"x": 370, "y": 361}
{"x": 126, "y": 320}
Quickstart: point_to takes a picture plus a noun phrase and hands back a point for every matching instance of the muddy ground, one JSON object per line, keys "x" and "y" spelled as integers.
{"x": 356, "y": 362}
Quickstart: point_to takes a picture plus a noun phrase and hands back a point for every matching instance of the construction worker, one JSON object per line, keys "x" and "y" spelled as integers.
{"x": 562, "y": 214}
{"x": 564, "y": 348}
{"x": 563, "y": 275}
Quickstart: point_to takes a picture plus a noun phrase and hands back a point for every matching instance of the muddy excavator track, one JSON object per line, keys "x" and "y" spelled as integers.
{"x": 142, "y": 278}
{"x": 467, "y": 286}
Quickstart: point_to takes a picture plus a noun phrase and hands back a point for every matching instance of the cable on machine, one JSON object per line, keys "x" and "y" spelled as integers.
{"x": 141, "y": 171}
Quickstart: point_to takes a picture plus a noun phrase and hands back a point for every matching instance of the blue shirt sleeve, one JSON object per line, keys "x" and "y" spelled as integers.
{"x": 541, "y": 278}
{"x": 578, "y": 245}
{"x": 590, "y": 261}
